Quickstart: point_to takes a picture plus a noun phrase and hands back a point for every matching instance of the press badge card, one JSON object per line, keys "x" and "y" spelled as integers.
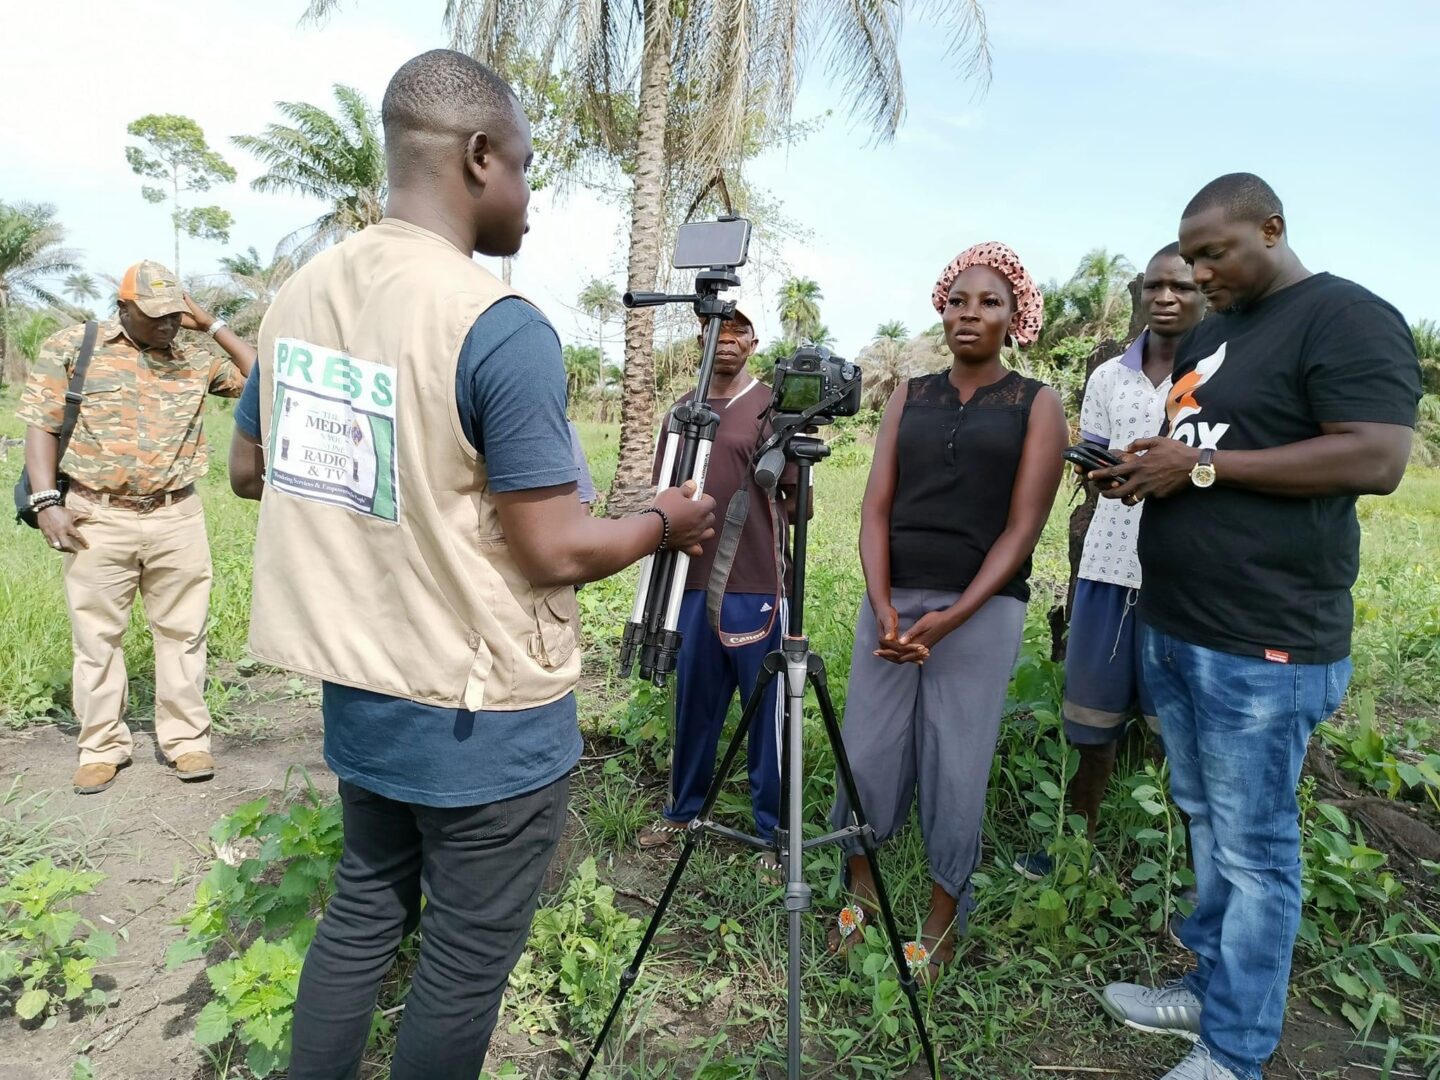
{"x": 332, "y": 431}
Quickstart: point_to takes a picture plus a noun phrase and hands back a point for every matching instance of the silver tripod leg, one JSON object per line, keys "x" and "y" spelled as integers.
{"x": 797, "y": 892}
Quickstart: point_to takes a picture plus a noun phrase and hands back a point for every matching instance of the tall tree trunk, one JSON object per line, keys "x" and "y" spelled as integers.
{"x": 6, "y": 375}
{"x": 175, "y": 219}
{"x": 631, "y": 487}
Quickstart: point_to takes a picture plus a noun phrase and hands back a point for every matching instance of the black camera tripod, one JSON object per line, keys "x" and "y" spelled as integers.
{"x": 798, "y": 665}
{"x": 650, "y": 634}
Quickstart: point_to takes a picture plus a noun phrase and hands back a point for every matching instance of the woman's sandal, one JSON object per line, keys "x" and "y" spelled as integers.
{"x": 849, "y": 928}
{"x": 661, "y": 833}
{"x": 927, "y": 964}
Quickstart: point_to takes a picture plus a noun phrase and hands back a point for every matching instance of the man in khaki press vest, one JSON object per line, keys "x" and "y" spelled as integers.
{"x": 419, "y": 540}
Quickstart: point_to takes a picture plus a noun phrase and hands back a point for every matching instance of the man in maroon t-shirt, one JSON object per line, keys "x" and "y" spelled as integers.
{"x": 707, "y": 673}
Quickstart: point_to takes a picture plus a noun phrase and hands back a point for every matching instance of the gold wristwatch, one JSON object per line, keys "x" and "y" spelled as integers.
{"x": 1203, "y": 474}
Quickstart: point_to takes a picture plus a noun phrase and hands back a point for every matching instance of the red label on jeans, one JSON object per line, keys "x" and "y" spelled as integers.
{"x": 1275, "y": 656}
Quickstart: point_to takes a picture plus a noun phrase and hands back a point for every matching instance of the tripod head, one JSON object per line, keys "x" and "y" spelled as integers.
{"x": 709, "y": 307}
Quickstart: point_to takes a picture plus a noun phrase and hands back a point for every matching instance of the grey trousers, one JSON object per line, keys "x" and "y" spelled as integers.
{"x": 931, "y": 728}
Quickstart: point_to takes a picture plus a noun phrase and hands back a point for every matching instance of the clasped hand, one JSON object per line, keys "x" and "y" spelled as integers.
{"x": 914, "y": 645}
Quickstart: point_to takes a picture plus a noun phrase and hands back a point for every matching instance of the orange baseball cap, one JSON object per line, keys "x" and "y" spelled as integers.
{"x": 153, "y": 289}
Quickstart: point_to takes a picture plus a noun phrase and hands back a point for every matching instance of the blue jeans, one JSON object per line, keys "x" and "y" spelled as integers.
{"x": 707, "y": 674}
{"x": 1235, "y": 730}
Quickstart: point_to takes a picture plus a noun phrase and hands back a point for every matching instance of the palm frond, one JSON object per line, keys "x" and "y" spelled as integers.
{"x": 338, "y": 159}
{"x": 863, "y": 44}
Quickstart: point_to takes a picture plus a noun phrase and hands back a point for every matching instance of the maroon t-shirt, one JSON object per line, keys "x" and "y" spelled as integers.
{"x": 741, "y": 428}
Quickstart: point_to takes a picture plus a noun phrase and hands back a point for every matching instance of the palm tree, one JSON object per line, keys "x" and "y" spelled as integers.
{"x": 1426, "y": 333}
{"x": 80, "y": 287}
{"x": 881, "y": 361}
{"x": 251, "y": 287}
{"x": 338, "y": 159}
{"x": 584, "y": 368}
{"x": 800, "y": 308}
{"x": 601, "y": 302}
{"x": 1098, "y": 294}
{"x": 31, "y": 330}
{"x": 31, "y": 250}
{"x": 715, "y": 69}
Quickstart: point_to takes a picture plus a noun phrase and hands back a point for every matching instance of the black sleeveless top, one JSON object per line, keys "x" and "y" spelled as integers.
{"x": 955, "y": 470}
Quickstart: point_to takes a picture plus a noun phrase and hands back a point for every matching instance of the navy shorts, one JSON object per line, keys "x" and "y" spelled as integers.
{"x": 1104, "y": 684}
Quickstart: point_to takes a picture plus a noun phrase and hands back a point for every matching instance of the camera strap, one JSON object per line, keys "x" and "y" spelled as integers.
{"x": 736, "y": 514}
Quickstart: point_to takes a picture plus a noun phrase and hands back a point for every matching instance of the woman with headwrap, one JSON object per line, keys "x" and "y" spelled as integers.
{"x": 967, "y": 463}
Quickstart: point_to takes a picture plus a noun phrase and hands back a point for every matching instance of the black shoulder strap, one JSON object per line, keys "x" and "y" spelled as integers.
{"x": 735, "y": 514}
{"x": 74, "y": 397}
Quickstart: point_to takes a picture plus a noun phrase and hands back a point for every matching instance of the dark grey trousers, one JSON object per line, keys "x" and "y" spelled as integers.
{"x": 930, "y": 731}
{"x": 480, "y": 869}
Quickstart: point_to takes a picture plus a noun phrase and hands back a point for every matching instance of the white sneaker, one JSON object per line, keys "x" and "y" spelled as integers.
{"x": 1199, "y": 1065}
{"x": 1162, "y": 1010}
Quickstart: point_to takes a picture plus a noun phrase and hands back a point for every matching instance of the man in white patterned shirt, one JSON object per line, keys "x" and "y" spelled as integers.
{"x": 1124, "y": 401}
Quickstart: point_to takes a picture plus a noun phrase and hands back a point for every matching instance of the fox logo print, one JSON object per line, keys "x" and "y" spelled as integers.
{"x": 1182, "y": 405}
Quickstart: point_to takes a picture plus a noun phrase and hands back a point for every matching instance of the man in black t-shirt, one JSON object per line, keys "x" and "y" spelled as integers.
{"x": 708, "y": 673}
{"x": 1298, "y": 396}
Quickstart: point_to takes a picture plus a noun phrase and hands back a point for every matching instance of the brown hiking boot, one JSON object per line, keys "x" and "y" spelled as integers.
{"x": 95, "y": 777}
{"x": 196, "y": 765}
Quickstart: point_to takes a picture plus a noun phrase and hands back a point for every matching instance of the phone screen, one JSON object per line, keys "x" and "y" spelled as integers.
{"x": 702, "y": 244}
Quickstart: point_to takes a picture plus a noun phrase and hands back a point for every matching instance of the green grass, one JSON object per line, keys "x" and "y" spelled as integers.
{"x": 1397, "y": 599}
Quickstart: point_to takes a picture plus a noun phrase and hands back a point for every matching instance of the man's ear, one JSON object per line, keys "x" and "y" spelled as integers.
{"x": 1273, "y": 229}
{"x": 477, "y": 156}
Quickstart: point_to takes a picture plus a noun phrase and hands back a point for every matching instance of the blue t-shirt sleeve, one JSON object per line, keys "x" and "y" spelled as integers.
{"x": 585, "y": 483}
{"x": 510, "y": 390}
{"x": 247, "y": 409}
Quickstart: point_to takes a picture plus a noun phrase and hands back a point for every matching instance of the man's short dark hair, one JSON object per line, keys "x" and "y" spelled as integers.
{"x": 1172, "y": 248}
{"x": 1243, "y": 196}
{"x": 444, "y": 91}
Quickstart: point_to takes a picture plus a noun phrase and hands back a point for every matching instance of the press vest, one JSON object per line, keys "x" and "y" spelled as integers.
{"x": 380, "y": 562}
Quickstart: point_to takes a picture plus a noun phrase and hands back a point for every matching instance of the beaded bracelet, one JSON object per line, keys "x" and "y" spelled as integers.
{"x": 664, "y": 526}
{"x": 44, "y": 503}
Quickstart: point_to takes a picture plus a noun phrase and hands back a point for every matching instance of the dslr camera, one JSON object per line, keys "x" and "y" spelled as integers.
{"x": 813, "y": 382}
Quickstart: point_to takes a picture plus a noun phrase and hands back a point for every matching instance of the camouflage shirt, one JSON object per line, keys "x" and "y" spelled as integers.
{"x": 141, "y": 427}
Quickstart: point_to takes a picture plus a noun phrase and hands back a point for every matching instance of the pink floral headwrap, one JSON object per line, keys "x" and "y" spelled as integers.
{"x": 1029, "y": 306}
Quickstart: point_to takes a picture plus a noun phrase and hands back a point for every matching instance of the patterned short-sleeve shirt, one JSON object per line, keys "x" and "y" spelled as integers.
{"x": 141, "y": 426}
{"x": 1121, "y": 405}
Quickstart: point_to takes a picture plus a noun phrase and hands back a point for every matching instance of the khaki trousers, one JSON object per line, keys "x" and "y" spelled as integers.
{"x": 165, "y": 553}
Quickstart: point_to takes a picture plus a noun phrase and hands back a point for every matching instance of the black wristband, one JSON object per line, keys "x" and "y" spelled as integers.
{"x": 664, "y": 526}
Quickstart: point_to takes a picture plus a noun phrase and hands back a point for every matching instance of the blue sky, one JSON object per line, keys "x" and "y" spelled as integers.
{"x": 1102, "y": 118}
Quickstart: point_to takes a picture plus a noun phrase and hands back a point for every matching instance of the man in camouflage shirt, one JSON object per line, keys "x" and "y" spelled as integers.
{"x": 132, "y": 518}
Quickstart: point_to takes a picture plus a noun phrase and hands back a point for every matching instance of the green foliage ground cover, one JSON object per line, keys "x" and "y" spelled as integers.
{"x": 710, "y": 1002}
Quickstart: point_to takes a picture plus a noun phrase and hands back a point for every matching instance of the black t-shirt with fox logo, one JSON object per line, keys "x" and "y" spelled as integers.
{"x": 1265, "y": 575}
